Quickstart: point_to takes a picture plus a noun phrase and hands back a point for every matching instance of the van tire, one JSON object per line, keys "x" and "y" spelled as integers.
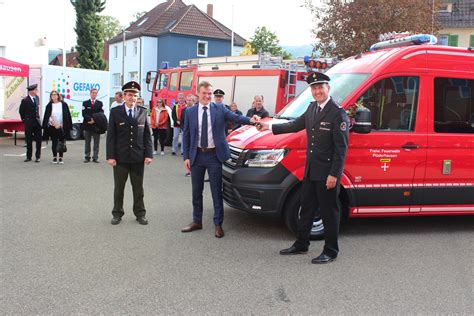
{"x": 75, "y": 133}
{"x": 291, "y": 215}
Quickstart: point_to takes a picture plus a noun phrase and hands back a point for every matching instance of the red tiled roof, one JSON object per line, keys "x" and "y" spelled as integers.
{"x": 71, "y": 59}
{"x": 174, "y": 16}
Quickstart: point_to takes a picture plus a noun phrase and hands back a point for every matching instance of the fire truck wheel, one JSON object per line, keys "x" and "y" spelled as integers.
{"x": 292, "y": 213}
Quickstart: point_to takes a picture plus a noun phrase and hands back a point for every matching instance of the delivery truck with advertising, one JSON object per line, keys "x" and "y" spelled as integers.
{"x": 74, "y": 84}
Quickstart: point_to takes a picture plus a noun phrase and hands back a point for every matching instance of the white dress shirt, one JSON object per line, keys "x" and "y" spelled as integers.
{"x": 210, "y": 139}
{"x": 134, "y": 110}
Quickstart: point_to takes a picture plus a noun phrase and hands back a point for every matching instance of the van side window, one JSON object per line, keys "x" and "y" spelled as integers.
{"x": 453, "y": 105}
{"x": 162, "y": 81}
{"x": 174, "y": 81}
{"x": 186, "y": 81}
{"x": 393, "y": 103}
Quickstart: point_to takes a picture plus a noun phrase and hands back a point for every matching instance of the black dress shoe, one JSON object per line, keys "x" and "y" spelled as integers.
{"x": 95, "y": 160}
{"x": 142, "y": 220}
{"x": 87, "y": 160}
{"x": 323, "y": 258}
{"x": 116, "y": 220}
{"x": 293, "y": 251}
{"x": 37, "y": 160}
{"x": 27, "y": 159}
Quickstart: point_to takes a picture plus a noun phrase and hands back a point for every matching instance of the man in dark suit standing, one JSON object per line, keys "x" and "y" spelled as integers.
{"x": 90, "y": 107}
{"x": 326, "y": 125}
{"x": 129, "y": 148}
{"x": 206, "y": 148}
{"x": 29, "y": 112}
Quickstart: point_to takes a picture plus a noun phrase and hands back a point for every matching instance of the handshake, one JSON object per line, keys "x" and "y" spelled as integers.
{"x": 256, "y": 121}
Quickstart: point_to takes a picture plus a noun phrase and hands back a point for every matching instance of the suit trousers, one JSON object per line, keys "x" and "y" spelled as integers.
{"x": 121, "y": 172}
{"x": 33, "y": 133}
{"x": 176, "y": 132}
{"x": 317, "y": 200}
{"x": 207, "y": 161}
{"x": 88, "y": 135}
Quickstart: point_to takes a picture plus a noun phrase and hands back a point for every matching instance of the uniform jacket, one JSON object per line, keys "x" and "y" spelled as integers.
{"x": 29, "y": 113}
{"x": 128, "y": 142}
{"x": 327, "y": 139}
{"x": 67, "y": 119}
{"x": 87, "y": 113}
{"x": 219, "y": 115}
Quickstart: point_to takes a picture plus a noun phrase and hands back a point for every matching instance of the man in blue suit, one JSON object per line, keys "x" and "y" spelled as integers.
{"x": 205, "y": 148}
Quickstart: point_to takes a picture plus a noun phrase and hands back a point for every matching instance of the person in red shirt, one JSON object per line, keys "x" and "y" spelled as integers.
{"x": 160, "y": 122}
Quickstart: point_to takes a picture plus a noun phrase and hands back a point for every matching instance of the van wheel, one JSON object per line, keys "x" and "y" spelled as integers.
{"x": 292, "y": 213}
{"x": 75, "y": 133}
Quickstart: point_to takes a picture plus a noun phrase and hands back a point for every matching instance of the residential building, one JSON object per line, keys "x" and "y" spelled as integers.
{"x": 457, "y": 20}
{"x": 170, "y": 32}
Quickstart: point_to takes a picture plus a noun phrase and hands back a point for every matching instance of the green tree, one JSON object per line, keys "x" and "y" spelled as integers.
{"x": 265, "y": 41}
{"x": 90, "y": 33}
{"x": 347, "y": 27}
{"x": 111, "y": 26}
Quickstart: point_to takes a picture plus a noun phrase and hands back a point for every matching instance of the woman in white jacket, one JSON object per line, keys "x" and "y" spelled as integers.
{"x": 160, "y": 122}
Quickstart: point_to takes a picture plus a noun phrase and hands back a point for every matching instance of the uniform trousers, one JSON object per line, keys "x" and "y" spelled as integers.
{"x": 33, "y": 133}
{"x": 317, "y": 200}
{"x": 121, "y": 172}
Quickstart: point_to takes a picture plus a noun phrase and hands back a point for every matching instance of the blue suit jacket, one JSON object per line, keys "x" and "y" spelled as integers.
{"x": 219, "y": 115}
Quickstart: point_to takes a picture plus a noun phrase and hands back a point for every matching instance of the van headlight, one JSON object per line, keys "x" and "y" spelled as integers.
{"x": 264, "y": 158}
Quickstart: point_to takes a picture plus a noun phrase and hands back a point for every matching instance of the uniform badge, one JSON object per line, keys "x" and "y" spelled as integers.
{"x": 343, "y": 126}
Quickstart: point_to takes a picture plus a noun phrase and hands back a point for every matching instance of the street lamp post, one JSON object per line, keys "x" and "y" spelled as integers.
{"x": 123, "y": 55}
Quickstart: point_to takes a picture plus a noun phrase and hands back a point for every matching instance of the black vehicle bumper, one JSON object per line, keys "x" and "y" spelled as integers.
{"x": 258, "y": 190}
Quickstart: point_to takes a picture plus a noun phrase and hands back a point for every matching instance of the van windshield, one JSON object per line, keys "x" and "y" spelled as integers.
{"x": 342, "y": 85}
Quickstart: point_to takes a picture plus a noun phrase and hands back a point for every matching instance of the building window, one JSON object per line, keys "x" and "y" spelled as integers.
{"x": 135, "y": 48}
{"x": 142, "y": 21}
{"x": 393, "y": 103}
{"x": 201, "y": 49}
{"x": 133, "y": 76}
{"x": 116, "y": 79}
{"x": 453, "y": 102}
{"x": 115, "y": 51}
{"x": 453, "y": 40}
{"x": 443, "y": 39}
{"x": 471, "y": 41}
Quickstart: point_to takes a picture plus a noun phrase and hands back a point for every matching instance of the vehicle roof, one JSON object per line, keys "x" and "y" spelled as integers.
{"x": 412, "y": 56}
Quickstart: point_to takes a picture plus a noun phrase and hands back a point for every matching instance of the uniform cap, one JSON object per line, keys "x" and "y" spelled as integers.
{"x": 316, "y": 78}
{"x": 131, "y": 86}
{"x": 219, "y": 93}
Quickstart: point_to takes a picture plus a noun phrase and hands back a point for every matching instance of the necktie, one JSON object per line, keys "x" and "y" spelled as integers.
{"x": 204, "y": 140}
{"x": 92, "y": 102}
{"x": 318, "y": 110}
{"x": 130, "y": 115}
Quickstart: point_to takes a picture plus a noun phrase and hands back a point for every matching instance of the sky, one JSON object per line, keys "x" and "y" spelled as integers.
{"x": 26, "y": 21}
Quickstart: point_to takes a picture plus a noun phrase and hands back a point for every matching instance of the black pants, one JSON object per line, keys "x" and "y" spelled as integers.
{"x": 33, "y": 133}
{"x": 56, "y": 135}
{"x": 317, "y": 200}
{"x": 161, "y": 135}
{"x": 121, "y": 172}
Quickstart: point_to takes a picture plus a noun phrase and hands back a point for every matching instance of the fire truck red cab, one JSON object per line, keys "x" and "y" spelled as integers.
{"x": 413, "y": 157}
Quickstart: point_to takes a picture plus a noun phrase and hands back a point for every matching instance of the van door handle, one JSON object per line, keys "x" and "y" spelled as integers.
{"x": 410, "y": 146}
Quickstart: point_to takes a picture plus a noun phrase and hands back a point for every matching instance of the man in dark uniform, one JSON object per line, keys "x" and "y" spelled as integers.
{"x": 129, "y": 148}
{"x": 29, "y": 112}
{"x": 326, "y": 125}
{"x": 90, "y": 107}
{"x": 219, "y": 98}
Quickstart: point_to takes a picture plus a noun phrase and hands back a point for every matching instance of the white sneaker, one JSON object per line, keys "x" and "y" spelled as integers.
{"x": 61, "y": 161}
{"x": 162, "y": 153}
{"x": 155, "y": 152}
{"x": 55, "y": 160}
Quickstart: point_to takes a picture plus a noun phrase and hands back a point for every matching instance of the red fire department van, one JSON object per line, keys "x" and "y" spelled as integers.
{"x": 413, "y": 156}
{"x": 241, "y": 78}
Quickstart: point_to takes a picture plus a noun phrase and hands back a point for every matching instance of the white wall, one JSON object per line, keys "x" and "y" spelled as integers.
{"x": 147, "y": 48}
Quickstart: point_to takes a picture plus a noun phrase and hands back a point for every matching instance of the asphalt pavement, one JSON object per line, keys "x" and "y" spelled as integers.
{"x": 60, "y": 254}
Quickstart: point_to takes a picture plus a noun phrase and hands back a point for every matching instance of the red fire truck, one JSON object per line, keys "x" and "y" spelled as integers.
{"x": 241, "y": 78}
{"x": 413, "y": 156}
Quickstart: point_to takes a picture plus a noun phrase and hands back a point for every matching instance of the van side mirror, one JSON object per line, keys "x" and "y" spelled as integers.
{"x": 363, "y": 121}
{"x": 148, "y": 77}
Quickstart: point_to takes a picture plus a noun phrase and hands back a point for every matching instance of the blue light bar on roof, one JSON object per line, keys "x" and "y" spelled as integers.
{"x": 406, "y": 41}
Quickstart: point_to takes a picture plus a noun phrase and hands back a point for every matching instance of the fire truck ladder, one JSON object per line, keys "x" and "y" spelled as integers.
{"x": 290, "y": 90}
